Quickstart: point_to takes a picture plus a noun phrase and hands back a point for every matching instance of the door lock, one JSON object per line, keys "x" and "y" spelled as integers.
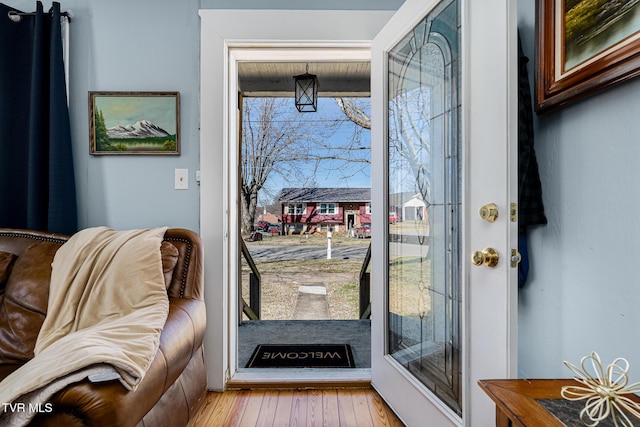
{"x": 487, "y": 256}
{"x": 489, "y": 212}
{"x": 515, "y": 258}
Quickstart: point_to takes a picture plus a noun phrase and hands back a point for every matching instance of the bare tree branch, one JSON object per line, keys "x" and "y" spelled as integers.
{"x": 355, "y": 114}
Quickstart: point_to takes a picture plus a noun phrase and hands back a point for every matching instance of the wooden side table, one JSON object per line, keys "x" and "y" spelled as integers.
{"x": 517, "y": 401}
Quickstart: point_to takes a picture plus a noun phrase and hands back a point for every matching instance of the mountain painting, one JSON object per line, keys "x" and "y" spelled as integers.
{"x": 134, "y": 123}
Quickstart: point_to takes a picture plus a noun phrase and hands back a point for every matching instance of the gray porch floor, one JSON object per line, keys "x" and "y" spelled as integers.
{"x": 357, "y": 333}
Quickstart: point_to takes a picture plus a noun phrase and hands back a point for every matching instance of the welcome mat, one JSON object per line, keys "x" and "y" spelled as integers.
{"x": 302, "y": 356}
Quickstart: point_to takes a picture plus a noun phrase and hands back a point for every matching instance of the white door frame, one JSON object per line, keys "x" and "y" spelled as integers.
{"x": 276, "y": 52}
{"x": 221, "y": 32}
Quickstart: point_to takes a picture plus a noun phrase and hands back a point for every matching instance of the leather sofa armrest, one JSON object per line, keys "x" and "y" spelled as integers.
{"x": 187, "y": 279}
{"x": 182, "y": 335}
{"x": 109, "y": 403}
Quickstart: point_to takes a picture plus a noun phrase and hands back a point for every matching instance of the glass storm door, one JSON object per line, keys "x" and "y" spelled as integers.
{"x": 444, "y": 322}
{"x": 423, "y": 251}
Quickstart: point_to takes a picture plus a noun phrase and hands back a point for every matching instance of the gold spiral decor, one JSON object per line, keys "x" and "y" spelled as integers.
{"x": 604, "y": 391}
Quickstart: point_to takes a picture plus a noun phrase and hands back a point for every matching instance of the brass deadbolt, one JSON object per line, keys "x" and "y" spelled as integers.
{"x": 489, "y": 212}
{"x": 487, "y": 256}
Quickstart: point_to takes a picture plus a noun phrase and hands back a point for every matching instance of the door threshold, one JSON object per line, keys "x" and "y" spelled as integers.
{"x": 299, "y": 378}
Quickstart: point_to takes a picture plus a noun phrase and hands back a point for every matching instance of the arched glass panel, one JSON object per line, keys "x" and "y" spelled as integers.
{"x": 424, "y": 203}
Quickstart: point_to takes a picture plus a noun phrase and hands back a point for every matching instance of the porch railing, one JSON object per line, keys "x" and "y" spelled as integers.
{"x": 365, "y": 287}
{"x": 252, "y": 309}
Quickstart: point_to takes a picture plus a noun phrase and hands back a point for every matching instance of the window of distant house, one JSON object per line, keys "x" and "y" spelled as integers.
{"x": 368, "y": 211}
{"x": 295, "y": 208}
{"x": 327, "y": 209}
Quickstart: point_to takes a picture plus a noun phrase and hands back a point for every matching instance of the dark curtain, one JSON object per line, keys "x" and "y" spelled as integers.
{"x": 37, "y": 184}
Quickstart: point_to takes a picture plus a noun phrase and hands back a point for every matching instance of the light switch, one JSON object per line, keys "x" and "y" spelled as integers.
{"x": 182, "y": 179}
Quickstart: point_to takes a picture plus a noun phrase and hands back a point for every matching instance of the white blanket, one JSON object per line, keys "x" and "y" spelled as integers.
{"x": 107, "y": 307}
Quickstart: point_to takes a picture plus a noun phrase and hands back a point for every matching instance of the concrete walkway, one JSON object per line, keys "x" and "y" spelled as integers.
{"x": 311, "y": 304}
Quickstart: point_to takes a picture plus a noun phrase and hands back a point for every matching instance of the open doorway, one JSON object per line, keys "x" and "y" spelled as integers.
{"x": 269, "y": 35}
{"x": 304, "y": 190}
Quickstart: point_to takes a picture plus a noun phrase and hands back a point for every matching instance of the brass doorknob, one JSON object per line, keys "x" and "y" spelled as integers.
{"x": 487, "y": 256}
{"x": 489, "y": 212}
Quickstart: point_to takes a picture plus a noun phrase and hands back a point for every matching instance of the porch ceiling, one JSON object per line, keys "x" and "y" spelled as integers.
{"x": 276, "y": 78}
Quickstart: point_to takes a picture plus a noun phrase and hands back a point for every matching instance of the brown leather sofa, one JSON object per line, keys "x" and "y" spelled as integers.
{"x": 175, "y": 384}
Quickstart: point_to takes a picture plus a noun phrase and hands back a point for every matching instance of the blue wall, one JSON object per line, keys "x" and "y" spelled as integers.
{"x": 583, "y": 289}
{"x": 119, "y": 45}
{"x": 145, "y": 45}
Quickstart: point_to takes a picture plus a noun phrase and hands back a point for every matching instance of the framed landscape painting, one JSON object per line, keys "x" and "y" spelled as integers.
{"x": 584, "y": 47}
{"x": 143, "y": 123}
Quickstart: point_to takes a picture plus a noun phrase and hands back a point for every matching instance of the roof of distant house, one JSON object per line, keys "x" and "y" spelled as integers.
{"x": 325, "y": 195}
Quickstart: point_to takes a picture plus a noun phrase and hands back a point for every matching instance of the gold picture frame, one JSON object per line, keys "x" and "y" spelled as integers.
{"x": 138, "y": 123}
{"x": 583, "y": 50}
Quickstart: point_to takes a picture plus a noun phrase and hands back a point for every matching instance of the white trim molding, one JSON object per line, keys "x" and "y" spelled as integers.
{"x": 228, "y": 36}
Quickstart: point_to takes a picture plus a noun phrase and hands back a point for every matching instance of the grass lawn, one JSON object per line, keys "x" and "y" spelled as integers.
{"x": 281, "y": 279}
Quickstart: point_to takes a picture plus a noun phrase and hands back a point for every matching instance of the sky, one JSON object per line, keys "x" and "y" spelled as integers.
{"x": 348, "y": 176}
{"x": 127, "y": 110}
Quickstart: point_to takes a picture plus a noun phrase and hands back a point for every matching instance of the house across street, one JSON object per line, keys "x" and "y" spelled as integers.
{"x": 307, "y": 210}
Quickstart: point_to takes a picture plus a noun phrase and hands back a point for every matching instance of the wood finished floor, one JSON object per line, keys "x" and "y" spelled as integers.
{"x": 335, "y": 407}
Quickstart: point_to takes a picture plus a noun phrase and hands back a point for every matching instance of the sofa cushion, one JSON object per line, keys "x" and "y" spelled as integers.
{"x": 170, "y": 256}
{"x": 7, "y": 369}
{"x": 23, "y": 305}
{"x": 6, "y": 263}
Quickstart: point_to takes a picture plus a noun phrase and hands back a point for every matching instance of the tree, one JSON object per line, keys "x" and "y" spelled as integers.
{"x": 410, "y": 142}
{"x": 277, "y": 140}
{"x": 409, "y": 145}
{"x": 102, "y": 139}
{"x": 354, "y": 112}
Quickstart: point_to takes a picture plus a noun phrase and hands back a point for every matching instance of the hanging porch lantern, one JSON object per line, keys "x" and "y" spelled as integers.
{"x": 306, "y": 92}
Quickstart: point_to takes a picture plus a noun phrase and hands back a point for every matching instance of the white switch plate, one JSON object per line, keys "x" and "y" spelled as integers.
{"x": 182, "y": 179}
